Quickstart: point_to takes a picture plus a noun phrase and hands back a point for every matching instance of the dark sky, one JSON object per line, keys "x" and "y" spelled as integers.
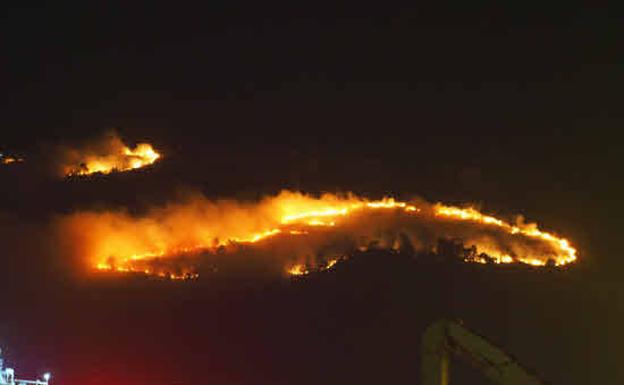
{"x": 515, "y": 108}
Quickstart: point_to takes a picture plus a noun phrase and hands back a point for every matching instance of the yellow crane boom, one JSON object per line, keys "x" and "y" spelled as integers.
{"x": 445, "y": 337}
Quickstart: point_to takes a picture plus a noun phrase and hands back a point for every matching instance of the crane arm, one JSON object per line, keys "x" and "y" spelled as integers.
{"x": 446, "y": 337}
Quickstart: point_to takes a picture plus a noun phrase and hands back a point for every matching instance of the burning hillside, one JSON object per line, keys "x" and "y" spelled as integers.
{"x": 295, "y": 231}
{"x": 106, "y": 156}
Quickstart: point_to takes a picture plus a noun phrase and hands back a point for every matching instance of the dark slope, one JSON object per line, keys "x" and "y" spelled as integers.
{"x": 359, "y": 323}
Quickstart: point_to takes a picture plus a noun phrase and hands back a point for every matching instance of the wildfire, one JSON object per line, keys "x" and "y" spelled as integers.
{"x": 298, "y": 269}
{"x": 117, "y": 241}
{"x": 7, "y": 159}
{"x": 109, "y": 155}
{"x": 184, "y": 276}
{"x": 567, "y": 255}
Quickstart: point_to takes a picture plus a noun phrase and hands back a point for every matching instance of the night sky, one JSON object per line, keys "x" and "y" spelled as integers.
{"x": 515, "y": 109}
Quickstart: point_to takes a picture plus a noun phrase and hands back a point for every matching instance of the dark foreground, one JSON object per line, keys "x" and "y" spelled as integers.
{"x": 359, "y": 323}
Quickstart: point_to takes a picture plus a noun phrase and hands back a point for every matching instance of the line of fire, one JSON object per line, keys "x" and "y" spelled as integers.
{"x": 308, "y": 233}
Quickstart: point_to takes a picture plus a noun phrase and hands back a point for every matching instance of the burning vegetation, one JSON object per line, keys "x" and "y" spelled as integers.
{"x": 106, "y": 156}
{"x": 9, "y": 159}
{"x": 299, "y": 233}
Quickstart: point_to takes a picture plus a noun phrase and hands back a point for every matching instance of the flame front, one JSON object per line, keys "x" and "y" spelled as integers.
{"x": 567, "y": 253}
{"x": 106, "y": 156}
{"x": 120, "y": 242}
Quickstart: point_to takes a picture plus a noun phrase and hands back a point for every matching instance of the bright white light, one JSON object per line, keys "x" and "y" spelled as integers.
{"x": 46, "y": 377}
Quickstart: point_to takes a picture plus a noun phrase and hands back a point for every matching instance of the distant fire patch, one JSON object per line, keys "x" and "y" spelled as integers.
{"x": 107, "y": 155}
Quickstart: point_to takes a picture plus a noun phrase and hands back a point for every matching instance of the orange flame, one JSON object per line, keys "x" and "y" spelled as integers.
{"x": 10, "y": 159}
{"x": 567, "y": 252}
{"x": 298, "y": 269}
{"x": 110, "y": 155}
{"x": 117, "y": 241}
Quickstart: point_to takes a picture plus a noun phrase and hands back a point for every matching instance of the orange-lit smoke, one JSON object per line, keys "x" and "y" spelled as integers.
{"x": 107, "y": 155}
{"x": 292, "y": 227}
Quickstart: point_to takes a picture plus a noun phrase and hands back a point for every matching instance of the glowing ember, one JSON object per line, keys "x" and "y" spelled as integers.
{"x": 7, "y": 159}
{"x": 107, "y": 156}
{"x": 331, "y": 263}
{"x": 120, "y": 242}
{"x": 298, "y": 269}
